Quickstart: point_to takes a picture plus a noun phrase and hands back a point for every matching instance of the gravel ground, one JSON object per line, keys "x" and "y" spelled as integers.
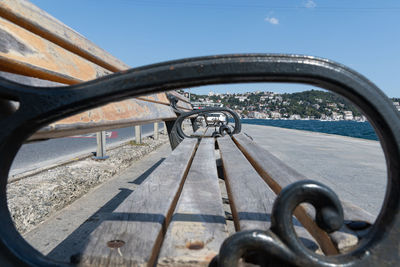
{"x": 35, "y": 198}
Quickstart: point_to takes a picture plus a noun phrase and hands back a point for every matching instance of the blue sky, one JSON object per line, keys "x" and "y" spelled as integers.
{"x": 364, "y": 35}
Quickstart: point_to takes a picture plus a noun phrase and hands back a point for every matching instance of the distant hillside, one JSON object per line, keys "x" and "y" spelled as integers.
{"x": 313, "y": 104}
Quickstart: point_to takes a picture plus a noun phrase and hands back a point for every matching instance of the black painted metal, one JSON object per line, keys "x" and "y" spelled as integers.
{"x": 279, "y": 246}
{"x": 177, "y": 134}
{"x": 41, "y": 106}
{"x": 173, "y": 100}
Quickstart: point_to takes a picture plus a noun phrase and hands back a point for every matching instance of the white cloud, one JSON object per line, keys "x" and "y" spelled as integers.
{"x": 309, "y": 4}
{"x": 272, "y": 20}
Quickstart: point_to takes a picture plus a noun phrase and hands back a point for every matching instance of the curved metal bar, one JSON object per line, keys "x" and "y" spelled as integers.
{"x": 41, "y": 106}
{"x": 177, "y": 135}
{"x": 329, "y": 217}
{"x": 173, "y": 101}
{"x": 273, "y": 251}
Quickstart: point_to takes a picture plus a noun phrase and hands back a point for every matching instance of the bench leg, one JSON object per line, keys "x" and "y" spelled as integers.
{"x": 174, "y": 138}
{"x": 195, "y": 126}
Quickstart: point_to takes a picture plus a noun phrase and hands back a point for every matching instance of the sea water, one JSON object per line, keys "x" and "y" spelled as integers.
{"x": 347, "y": 128}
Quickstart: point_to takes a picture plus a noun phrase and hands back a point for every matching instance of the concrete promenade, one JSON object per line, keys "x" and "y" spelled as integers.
{"x": 354, "y": 168}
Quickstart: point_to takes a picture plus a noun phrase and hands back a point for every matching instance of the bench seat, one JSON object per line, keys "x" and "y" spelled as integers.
{"x": 177, "y": 217}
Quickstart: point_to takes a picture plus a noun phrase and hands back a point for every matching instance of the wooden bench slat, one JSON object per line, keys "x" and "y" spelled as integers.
{"x": 198, "y": 225}
{"x": 250, "y": 197}
{"x": 141, "y": 220}
{"x": 271, "y": 166}
{"x": 278, "y": 175}
{"x": 111, "y": 116}
{"x": 42, "y": 59}
{"x": 114, "y": 115}
{"x": 199, "y": 132}
{"x": 209, "y": 131}
{"x": 28, "y": 16}
{"x": 28, "y": 54}
{"x": 277, "y": 178}
{"x": 39, "y": 46}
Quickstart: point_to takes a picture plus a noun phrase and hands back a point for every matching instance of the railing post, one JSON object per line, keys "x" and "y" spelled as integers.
{"x": 138, "y": 134}
{"x": 101, "y": 145}
{"x": 156, "y": 130}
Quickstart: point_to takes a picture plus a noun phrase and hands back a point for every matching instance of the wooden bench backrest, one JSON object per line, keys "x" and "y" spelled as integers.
{"x": 36, "y": 45}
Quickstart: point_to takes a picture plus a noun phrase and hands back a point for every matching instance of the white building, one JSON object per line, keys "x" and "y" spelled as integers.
{"x": 295, "y": 117}
{"x": 275, "y": 115}
{"x": 258, "y": 115}
{"x": 336, "y": 116}
{"x": 241, "y": 98}
{"x": 348, "y": 115}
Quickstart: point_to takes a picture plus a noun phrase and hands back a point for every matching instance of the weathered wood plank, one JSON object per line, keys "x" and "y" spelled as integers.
{"x": 159, "y": 98}
{"x": 22, "y": 52}
{"x": 209, "y": 131}
{"x": 199, "y": 132}
{"x": 250, "y": 197}
{"x": 52, "y": 44}
{"x": 198, "y": 225}
{"x": 39, "y": 22}
{"x": 115, "y": 115}
{"x": 184, "y": 106}
{"x": 37, "y": 45}
{"x": 278, "y": 175}
{"x": 111, "y": 116}
{"x": 142, "y": 219}
{"x": 43, "y": 59}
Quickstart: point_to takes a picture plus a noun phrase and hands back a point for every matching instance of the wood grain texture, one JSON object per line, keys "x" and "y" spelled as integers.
{"x": 23, "y": 52}
{"x": 25, "y": 48}
{"x": 198, "y": 225}
{"x": 111, "y": 116}
{"x": 250, "y": 197}
{"x": 199, "y": 132}
{"x": 209, "y": 131}
{"x": 142, "y": 219}
{"x": 30, "y": 17}
{"x": 278, "y": 175}
{"x": 35, "y": 44}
